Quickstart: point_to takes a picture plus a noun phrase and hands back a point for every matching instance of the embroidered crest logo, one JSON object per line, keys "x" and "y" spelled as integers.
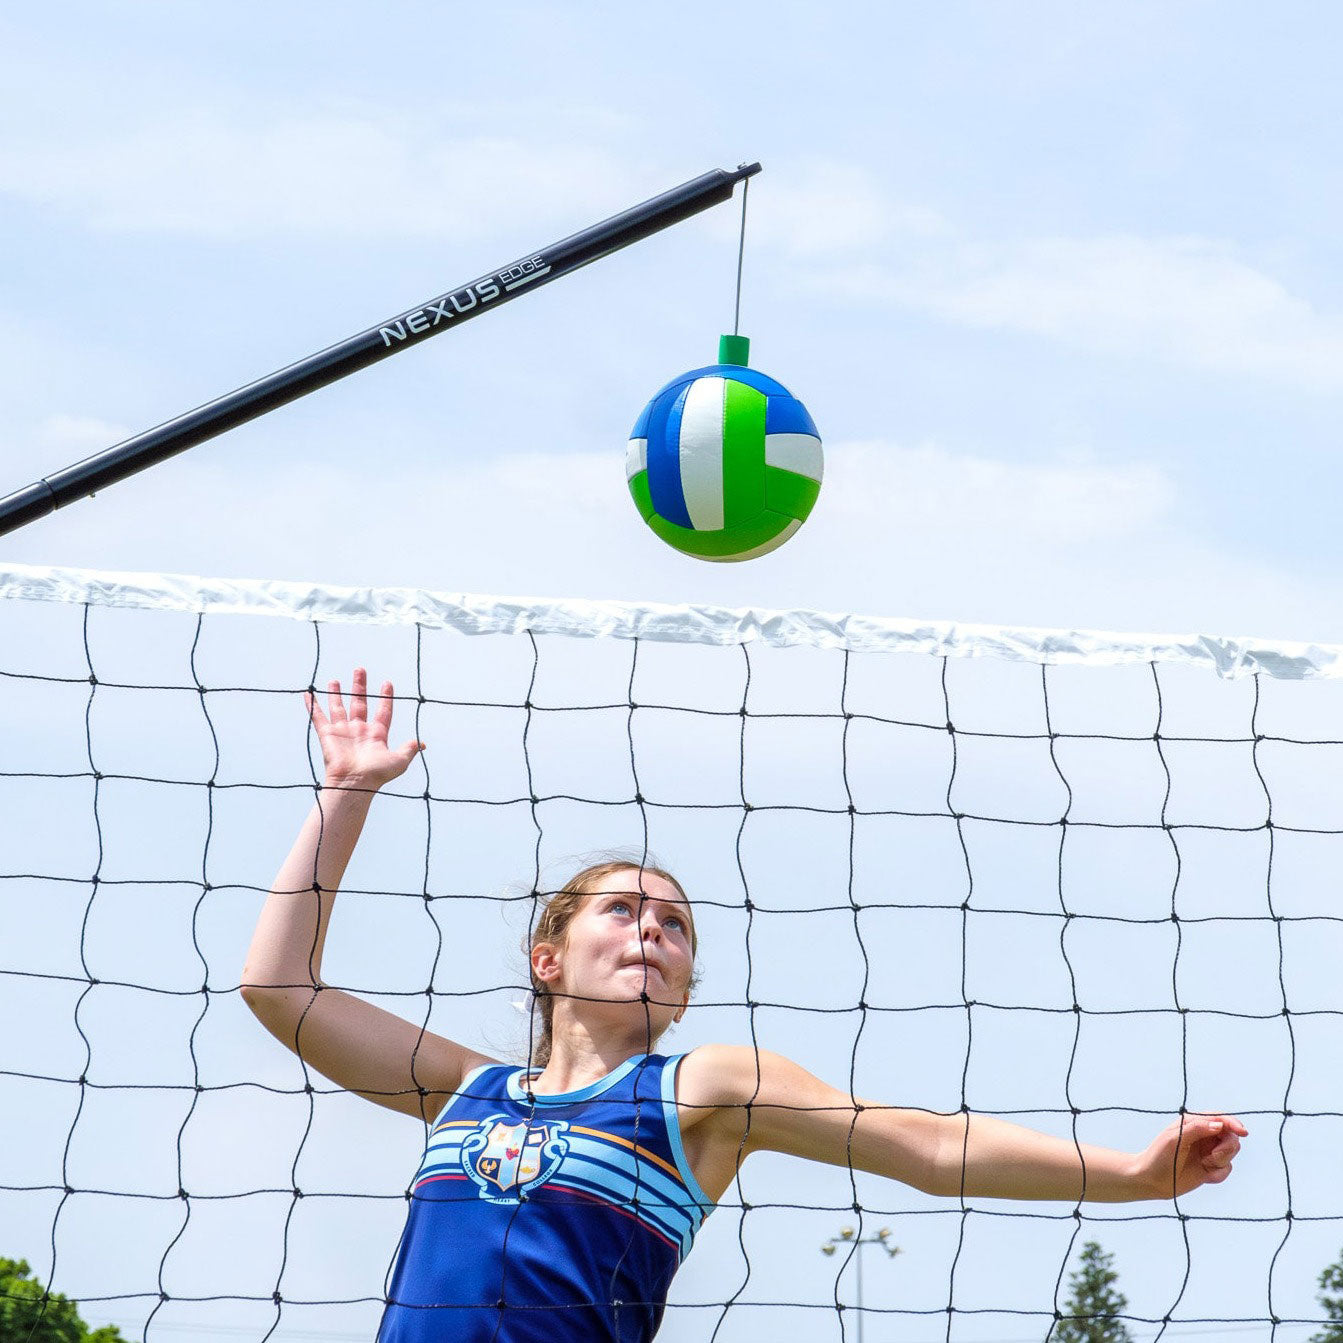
{"x": 504, "y": 1159}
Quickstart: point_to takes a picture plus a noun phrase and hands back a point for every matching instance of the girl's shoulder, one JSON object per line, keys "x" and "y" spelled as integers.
{"x": 714, "y": 1076}
{"x": 733, "y": 1100}
{"x": 742, "y": 1078}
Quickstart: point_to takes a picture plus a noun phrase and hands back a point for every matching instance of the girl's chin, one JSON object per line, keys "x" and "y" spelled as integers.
{"x": 639, "y": 974}
{"x": 630, "y": 994}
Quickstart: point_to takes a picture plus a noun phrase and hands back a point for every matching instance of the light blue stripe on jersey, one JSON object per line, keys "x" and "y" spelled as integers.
{"x": 704, "y": 1204}
{"x": 443, "y": 1156}
{"x": 467, "y": 1089}
{"x": 519, "y": 1094}
{"x": 603, "y": 1166}
{"x": 620, "y": 1176}
{"x": 606, "y": 1170}
{"x": 679, "y": 1235}
{"x": 619, "y": 1163}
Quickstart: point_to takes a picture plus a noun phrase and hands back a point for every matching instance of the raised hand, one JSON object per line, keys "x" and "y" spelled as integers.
{"x": 354, "y": 746}
{"x": 1194, "y": 1151}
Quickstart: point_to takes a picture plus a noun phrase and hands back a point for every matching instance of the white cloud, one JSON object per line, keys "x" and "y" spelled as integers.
{"x": 959, "y": 497}
{"x": 824, "y": 208}
{"x": 917, "y": 531}
{"x": 80, "y": 433}
{"x": 1190, "y": 302}
{"x": 1187, "y": 301}
{"x": 352, "y": 175}
{"x": 816, "y": 209}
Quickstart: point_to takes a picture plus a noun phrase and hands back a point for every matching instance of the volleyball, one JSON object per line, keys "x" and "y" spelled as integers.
{"x": 724, "y": 463}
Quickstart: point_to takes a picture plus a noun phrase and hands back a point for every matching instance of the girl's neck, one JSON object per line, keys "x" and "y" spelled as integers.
{"x": 577, "y": 1061}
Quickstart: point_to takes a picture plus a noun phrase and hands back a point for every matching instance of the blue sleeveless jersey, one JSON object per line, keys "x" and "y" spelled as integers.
{"x": 546, "y": 1219}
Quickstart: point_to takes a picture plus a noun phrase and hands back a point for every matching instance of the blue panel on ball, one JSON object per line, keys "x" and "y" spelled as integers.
{"x": 664, "y": 453}
{"x": 785, "y": 415}
{"x": 749, "y": 376}
{"x": 667, "y": 389}
{"x": 640, "y": 429}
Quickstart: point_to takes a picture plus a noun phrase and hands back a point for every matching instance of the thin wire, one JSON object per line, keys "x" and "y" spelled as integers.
{"x": 741, "y": 252}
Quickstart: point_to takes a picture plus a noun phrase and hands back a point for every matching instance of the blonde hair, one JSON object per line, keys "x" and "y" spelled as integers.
{"x": 553, "y": 926}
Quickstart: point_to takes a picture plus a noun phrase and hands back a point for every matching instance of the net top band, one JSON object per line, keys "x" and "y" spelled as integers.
{"x": 1229, "y": 657}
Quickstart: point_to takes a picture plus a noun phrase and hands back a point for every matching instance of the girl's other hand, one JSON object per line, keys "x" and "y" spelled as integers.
{"x": 1195, "y": 1150}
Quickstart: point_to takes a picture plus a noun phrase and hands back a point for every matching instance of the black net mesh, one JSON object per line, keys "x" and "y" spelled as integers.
{"x": 1084, "y": 897}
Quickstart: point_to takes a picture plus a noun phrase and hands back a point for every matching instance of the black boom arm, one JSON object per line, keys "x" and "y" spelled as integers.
{"x": 397, "y": 333}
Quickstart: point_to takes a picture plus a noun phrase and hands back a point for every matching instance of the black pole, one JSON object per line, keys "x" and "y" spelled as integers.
{"x": 397, "y": 333}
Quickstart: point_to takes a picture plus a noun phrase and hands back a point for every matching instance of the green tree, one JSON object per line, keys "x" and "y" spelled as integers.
{"x": 1094, "y": 1303}
{"x": 23, "y": 1319}
{"x": 1331, "y": 1280}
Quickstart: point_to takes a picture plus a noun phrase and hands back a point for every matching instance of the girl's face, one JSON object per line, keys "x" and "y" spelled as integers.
{"x": 632, "y": 936}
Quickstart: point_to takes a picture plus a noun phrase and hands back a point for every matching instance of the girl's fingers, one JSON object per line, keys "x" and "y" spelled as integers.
{"x": 383, "y": 717}
{"x": 334, "y": 703}
{"x": 358, "y": 706}
{"x": 1219, "y": 1137}
{"x": 410, "y": 750}
{"x": 1225, "y": 1127}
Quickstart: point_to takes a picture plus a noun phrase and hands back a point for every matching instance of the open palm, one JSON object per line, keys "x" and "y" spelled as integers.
{"x": 354, "y": 746}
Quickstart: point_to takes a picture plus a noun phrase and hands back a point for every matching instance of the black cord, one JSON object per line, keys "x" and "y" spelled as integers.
{"x": 741, "y": 252}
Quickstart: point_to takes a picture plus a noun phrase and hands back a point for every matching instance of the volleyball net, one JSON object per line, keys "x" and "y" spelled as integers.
{"x": 1081, "y": 881}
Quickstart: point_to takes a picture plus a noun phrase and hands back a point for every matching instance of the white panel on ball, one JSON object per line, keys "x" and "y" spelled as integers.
{"x": 794, "y": 452}
{"x": 701, "y": 446}
{"x": 636, "y": 457}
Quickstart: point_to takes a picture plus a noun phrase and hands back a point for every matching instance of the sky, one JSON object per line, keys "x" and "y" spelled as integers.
{"x": 1059, "y": 285}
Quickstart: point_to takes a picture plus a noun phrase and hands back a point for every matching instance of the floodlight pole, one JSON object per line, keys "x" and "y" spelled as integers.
{"x": 408, "y": 328}
{"x": 846, "y": 1237}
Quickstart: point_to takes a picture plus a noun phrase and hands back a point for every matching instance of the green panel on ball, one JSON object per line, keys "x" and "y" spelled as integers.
{"x": 743, "y": 453}
{"x": 787, "y": 528}
{"x": 724, "y": 545}
{"x": 643, "y": 499}
{"x": 789, "y": 492}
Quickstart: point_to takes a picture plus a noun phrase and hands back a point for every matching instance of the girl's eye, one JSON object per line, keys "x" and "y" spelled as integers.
{"x": 675, "y": 921}
{"x": 618, "y": 905}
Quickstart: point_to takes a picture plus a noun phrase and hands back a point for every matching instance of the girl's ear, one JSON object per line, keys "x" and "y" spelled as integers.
{"x": 680, "y": 1011}
{"x": 545, "y": 960}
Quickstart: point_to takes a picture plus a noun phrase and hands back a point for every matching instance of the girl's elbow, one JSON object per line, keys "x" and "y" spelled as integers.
{"x": 277, "y": 1006}
{"x": 254, "y": 994}
{"x": 927, "y": 1174}
{"x": 264, "y": 1001}
{"x": 940, "y": 1183}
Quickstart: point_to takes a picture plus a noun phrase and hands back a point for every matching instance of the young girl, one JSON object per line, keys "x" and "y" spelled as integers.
{"x": 557, "y": 1204}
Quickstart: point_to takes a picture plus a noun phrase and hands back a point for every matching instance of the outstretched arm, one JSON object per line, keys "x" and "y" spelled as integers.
{"x": 357, "y": 1045}
{"x": 759, "y": 1101}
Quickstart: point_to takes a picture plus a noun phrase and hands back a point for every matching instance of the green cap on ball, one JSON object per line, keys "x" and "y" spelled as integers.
{"x": 734, "y": 350}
